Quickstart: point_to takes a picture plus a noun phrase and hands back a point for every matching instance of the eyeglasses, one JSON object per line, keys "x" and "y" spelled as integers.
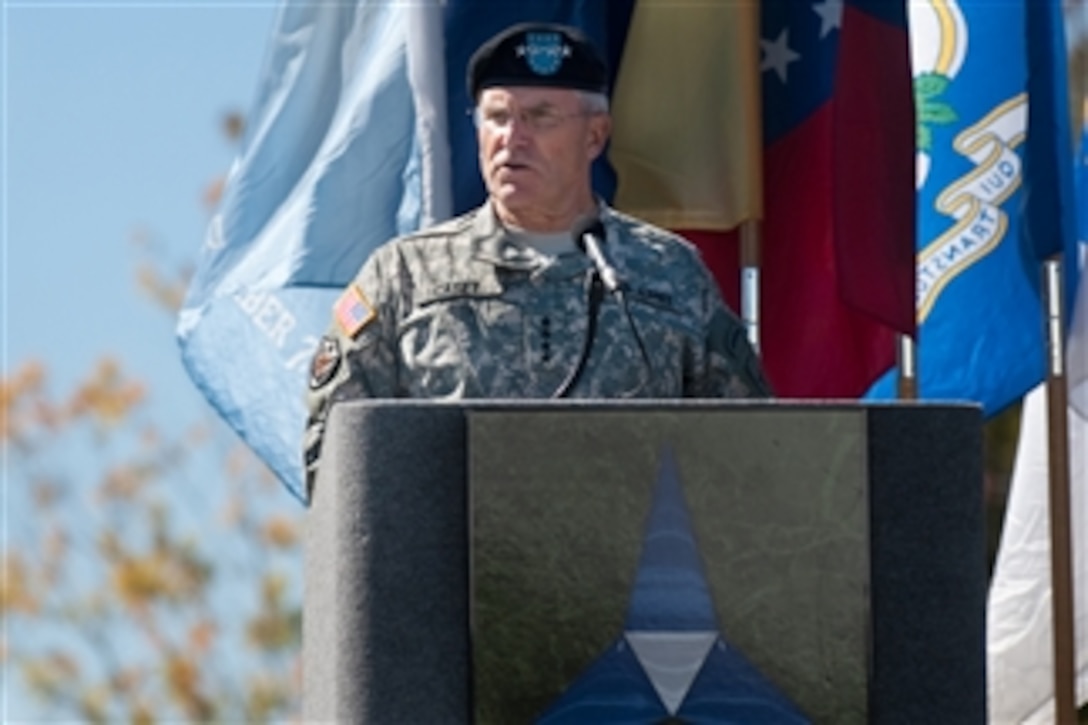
{"x": 537, "y": 118}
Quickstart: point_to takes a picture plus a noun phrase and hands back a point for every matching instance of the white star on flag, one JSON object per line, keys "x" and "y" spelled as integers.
{"x": 778, "y": 55}
{"x": 830, "y": 12}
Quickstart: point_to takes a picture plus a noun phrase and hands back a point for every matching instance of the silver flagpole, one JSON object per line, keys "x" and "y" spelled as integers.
{"x": 749, "y": 279}
{"x": 908, "y": 368}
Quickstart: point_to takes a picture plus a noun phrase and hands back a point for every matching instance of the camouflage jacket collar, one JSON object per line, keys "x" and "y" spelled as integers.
{"x": 492, "y": 245}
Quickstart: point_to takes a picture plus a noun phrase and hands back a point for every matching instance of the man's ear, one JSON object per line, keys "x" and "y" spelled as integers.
{"x": 600, "y": 128}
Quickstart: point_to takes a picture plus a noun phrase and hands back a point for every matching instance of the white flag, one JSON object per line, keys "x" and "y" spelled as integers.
{"x": 1019, "y": 636}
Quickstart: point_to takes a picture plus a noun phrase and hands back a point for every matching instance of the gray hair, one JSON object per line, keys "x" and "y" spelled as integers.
{"x": 593, "y": 103}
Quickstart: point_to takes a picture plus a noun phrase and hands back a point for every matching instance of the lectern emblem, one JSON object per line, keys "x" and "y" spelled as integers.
{"x": 671, "y": 662}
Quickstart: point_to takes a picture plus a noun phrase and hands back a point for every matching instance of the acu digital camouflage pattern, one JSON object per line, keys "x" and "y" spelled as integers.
{"x": 463, "y": 312}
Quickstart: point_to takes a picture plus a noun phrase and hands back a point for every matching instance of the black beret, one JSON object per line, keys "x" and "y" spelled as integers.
{"x": 537, "y": 54}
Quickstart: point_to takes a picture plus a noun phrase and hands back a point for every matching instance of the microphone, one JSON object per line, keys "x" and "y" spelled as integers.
{"x": 589, "y": 236}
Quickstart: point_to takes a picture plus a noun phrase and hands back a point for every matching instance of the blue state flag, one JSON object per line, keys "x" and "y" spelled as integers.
{"x": 994, "y": 194}
{"x": 1078, "y": 336}
{"x": 1049, "y": 222}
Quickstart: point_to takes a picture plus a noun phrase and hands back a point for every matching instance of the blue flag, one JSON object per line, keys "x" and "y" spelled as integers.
{"x": 359, "y": 133}
{"x": 330, "y": 167}
{"x": 1081, "y": 179}
{"x": 1049, "y": 211}
{"x": 1078, "y": 336}
{"x": 987, "y": 76}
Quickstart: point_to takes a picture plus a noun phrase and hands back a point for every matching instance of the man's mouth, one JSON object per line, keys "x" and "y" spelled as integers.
{"x": 507, "y": 162}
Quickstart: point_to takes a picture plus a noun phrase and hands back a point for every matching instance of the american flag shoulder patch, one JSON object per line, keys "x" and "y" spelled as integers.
{"x": 353, "y": 311}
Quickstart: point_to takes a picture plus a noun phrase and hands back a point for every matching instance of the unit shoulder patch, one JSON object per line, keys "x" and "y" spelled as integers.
{"x": 325, "y": 363}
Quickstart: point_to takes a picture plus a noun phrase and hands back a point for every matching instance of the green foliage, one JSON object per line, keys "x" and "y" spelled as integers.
{"x": 929, "y": 110}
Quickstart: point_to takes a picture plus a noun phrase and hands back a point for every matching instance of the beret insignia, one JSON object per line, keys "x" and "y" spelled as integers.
{"x": 544, "y": 52}
{"x": 538, "y": 54}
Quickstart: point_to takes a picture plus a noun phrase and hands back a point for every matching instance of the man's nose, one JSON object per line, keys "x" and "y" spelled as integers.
{"x": 517, "y": 130}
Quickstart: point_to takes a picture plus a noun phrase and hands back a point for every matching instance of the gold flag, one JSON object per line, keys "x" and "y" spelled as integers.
{"x": 687, "y": 143}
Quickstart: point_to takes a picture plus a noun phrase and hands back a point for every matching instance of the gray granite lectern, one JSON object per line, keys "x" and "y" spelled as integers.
{"x": 501, "y": 562}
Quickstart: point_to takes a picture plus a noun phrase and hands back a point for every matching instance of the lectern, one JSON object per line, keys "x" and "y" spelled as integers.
{"x": 652, "y": 561}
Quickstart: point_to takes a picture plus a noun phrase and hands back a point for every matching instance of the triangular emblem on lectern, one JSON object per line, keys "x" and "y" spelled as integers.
{"x": 671, "y": 663}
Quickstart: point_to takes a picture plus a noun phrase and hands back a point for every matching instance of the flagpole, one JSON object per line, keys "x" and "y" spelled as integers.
{"x": 908, "y": 368}
{"x": 749, "y": 279}
{"x": 1061, "y": 559}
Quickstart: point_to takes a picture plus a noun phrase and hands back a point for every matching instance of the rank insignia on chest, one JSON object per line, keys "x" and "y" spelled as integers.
{"x": 353, "y": 311}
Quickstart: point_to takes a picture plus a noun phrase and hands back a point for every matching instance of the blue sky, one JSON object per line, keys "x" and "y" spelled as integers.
{"x": 111, "y": 124}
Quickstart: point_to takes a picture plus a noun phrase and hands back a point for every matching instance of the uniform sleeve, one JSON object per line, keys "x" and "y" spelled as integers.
{"x": 731, "y": 367}
{"x": 355, "y": 358}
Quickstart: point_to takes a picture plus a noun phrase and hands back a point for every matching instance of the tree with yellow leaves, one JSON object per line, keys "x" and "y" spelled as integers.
{"x": 151, "y": 570}
{"x": 127, "y": 593}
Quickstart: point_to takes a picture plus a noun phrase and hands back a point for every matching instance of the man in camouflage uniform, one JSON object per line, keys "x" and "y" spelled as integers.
{"x": 501, "y": 302}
